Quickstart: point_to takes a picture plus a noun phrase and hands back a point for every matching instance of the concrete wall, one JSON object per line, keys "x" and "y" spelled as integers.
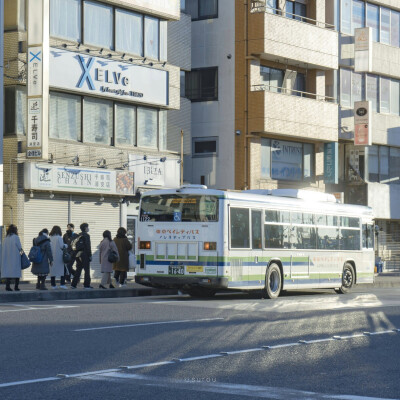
{"x": 385, "y": 200}
{"x": 179, "y": 42}
{"x": 212, "y": 41}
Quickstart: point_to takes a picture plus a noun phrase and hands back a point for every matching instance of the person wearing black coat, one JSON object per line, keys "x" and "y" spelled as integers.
{"x": 68, "y": 237}
{"x": 42, "y": 269}
{"x": 83, "y": 259}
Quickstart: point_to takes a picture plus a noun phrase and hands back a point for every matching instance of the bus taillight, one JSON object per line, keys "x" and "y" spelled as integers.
{"x": 210, "y": 245}
{"x": 144, "y": 245}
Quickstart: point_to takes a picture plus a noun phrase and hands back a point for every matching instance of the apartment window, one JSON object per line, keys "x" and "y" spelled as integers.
{"x": 357, "y": 87}
{"x": 183, "y": 5}
{"x": 272, "y": 78}
{"x": 151, "y": 36}
{"x": 271, "y": 6}
{"x": 65, "y": 116}
{"x": 15, "y": 109}
{"x": 203, "y": 147}
{"x": 384, "y": 164}
{"x": 395, "y": 97}
{"x": 98, "y": 24}
{"x": 282, "y": 160}
{"x": 147, "y": 123}
{"x": 345, "y": 87}
{"x": 202, "y": 9}
{"x": 358, "y": 15}
{"x": 162, "y": 130}
{"x": 97, "y": 121}
{"x": 65, "y": 19}
{"x": 345, "y": 19}
{"x": 385, "y": 26}
{"x": 296, "y": 10}
{"x": 202, "y": 84}
{"x": 373, "y": 20}
{"x": 395, "y": 28}
{"x": 300, "y": 84}
{"x": 125, "y": 125}
{"x": 372, "y": 91}
{"x": 129, "y": 32}
{"x": 183, "y": 86}
{"x": 384, "y": 106}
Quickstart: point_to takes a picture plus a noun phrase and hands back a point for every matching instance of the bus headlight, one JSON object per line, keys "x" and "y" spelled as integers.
{"x": 210, "y": 245}
{"x": 144, "y": 245}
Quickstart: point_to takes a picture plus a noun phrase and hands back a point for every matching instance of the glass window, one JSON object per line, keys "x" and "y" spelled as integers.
{"x": 21, "y": 112}
{"x": 358, "y": 16}
{"x": 357, "y": 87}
{"x": 394, "y": 163}
{"x": 373, "y": 20}
{"x": 384, "y": 106}
{"x": 125, "y": 125}
{"x": 296, "y": 217}
{"x": 277, "y": 216}
{"x": 395, "y": 97}
{"x": 303, "y": 237}
{"x": 320, "y": 219}
{"x": 208, "y": 9}
{"x": 331, "y": 220}
{"x": 349, "y": 222}
{"x": 129, "y": 32}
{"x": 65, "y": 19}
{"x": 162, "y": 129}
{"x": 308, "y": 161}
{"x": 328, "y": 238}
{"x": 300, "y": 10}
{"x": 15, "y": 105}
{"x": 163, "y": 40}
{"x": 151, "y": 35}
{"x": 65, "y": 116}
{"x": 383, "y": 164}
{"x": 183, "y": 5}
{"x": 308, "y": 219}
{"x": 97, "y": 121}
{"x": 202, "y": 84}
{"x": 256, "y": 229}
{"x": 300, "y": 84}
{"x": 349, "y": 239}
{"x": 373, "y": 91}
{"x": 289, "y": 9}
{"x": 345, "y": 87}
{"x": 204, "y": 146}
{"x": 265, "y": 158}
{"x": 240, "y": 228}
{"x": 98, "y": 24}
{"x": 345, "y": 20}
{"x": 147, "y": 123}
{"x": 373, "y": 163}
{"x": 385, "y": 25}
{"x": 395, "y": 28}
{"x": 272, "y": 78}
{"x": 287, "y": 160}
{"x": 182, "y": 79}
{"x": 271, "y": 6}
{"x": 277, "y": 236}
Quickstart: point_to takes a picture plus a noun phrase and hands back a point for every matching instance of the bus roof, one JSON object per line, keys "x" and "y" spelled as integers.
{"x": 305, "y": 200}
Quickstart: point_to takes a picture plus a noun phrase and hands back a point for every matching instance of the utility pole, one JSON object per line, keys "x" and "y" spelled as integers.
{"x": 181, "y": 157}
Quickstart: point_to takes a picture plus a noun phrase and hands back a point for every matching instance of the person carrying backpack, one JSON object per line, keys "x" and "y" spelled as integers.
{"x": 41, "y": 257}
{"x": 83, "y": 254}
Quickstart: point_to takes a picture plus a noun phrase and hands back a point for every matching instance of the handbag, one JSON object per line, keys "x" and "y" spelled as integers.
{"x": 112, "y": 256}
{"x": 25, "y": 263}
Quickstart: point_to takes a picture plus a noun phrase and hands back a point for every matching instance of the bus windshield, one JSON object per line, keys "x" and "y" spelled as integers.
{"x": 179, "y": 208}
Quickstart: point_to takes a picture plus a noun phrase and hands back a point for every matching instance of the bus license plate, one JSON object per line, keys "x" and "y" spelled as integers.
{"x": 180, "y": 270}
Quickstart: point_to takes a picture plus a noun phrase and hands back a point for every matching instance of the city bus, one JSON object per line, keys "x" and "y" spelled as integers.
{"x": 201, "y": 241}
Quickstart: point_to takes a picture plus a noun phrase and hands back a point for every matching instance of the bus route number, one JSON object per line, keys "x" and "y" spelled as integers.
{"x": 144, "y": 218}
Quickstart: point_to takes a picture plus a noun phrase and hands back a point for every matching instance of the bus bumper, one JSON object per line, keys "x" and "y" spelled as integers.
{"x": 182, "y": 282}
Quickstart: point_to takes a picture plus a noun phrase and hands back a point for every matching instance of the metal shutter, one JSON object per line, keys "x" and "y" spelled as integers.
{"x": 100, "y": 216}
{"x": 42, "y": 212}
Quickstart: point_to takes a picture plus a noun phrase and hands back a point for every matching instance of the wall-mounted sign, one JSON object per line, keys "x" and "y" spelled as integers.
{"x": 151, "y": 171}
{"x": 108, "y": 78}
{"x": 362, "y": 123}
{"x": 363, "y": 50}
{"x": 331, "y": 162}
{"x": 81, "y": 180}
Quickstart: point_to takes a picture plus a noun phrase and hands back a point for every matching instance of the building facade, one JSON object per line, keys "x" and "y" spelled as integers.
{"x": 273, "y": 85}
{"x": 88, "y": 92}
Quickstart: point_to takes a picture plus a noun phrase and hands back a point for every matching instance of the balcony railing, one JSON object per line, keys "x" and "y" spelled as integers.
{"x": 258, "y": 7}
{"x": 292, "y": 92}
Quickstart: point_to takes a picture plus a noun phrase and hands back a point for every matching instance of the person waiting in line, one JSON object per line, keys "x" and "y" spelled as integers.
{"x": 121, "y": 267}
{"x": 106, "y": 246}
{"x": 11, "y": 258}
{"x": 83, "y": 255}
{"x": 42, "y": 269}
{"x": 70, "y": 235}
{"x": 57, "y": 269}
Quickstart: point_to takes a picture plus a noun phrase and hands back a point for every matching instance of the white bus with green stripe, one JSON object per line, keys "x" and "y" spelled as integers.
{"x": 202, "y": 241}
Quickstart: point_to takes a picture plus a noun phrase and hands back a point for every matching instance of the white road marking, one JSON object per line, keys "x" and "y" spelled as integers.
{"x": 147, "y": 324}
{"x": 226, "y": 353}
{"x": 207, "y": 385}
{"x": 22, "y": 307}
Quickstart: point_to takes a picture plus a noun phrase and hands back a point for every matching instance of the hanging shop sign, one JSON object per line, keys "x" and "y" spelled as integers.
{"x": 151, "y": 171}
{"x": 362, "y": 123}
{"x": 363, "y": 50}
{"x": 109, "y": 78}
{"x": 78, "y": 180}
{"x": 331, "y": 162}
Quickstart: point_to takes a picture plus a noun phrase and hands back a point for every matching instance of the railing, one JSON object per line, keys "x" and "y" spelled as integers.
{"x": 388, "y": 250}
{"x": 258, "y": 7}
{"x": 292, "y": 92}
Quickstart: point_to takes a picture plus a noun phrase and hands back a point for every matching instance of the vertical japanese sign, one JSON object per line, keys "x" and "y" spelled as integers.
{"x": 362, "y": 123}
{"x": 363, "y": 50}
{"x": 37, "y": 81}
{"x": 331, "y": 162}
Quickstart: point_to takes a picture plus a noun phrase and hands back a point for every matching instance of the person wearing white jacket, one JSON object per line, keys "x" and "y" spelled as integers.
{"x": 57, "y": 269}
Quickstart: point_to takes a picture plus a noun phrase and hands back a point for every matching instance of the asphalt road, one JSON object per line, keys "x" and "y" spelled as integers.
{"x": 313, "y": 345}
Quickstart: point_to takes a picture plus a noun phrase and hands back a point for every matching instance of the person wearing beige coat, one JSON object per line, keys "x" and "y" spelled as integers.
{"x": 106, "y": 246}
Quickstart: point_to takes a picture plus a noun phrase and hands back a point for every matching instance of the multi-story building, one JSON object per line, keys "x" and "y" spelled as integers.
{"x": 88, "y": 90}
{"x": 273, "y": 87}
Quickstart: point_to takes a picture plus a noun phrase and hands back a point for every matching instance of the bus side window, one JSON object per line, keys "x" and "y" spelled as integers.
{"x": 240, "y": 228}
{"x": 256, "y": 229}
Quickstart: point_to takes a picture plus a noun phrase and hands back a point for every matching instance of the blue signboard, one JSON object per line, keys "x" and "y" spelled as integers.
{"x": 331, "y": 162}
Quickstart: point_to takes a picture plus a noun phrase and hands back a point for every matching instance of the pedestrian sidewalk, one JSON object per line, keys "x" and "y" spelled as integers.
{"x": 28, "y": 292}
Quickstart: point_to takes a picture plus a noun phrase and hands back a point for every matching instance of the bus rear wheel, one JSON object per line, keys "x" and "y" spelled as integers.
{"x": 348, "y": 279}
{"x": 273, "y": 282}
{"x": 201, "y": 292}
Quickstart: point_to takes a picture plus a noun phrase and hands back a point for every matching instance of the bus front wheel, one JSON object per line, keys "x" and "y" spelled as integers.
{"x": 348, "y": 278}
{"x": 273, "y": 282}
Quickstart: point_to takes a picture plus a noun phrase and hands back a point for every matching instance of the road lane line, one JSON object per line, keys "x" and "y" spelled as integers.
{"x": 199, "y": 357}
{"x": 241, "y": 351}
{"x": 155, "y": 364}
{"x": 147, "y": 324}
{"x": 18, "y": 383}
